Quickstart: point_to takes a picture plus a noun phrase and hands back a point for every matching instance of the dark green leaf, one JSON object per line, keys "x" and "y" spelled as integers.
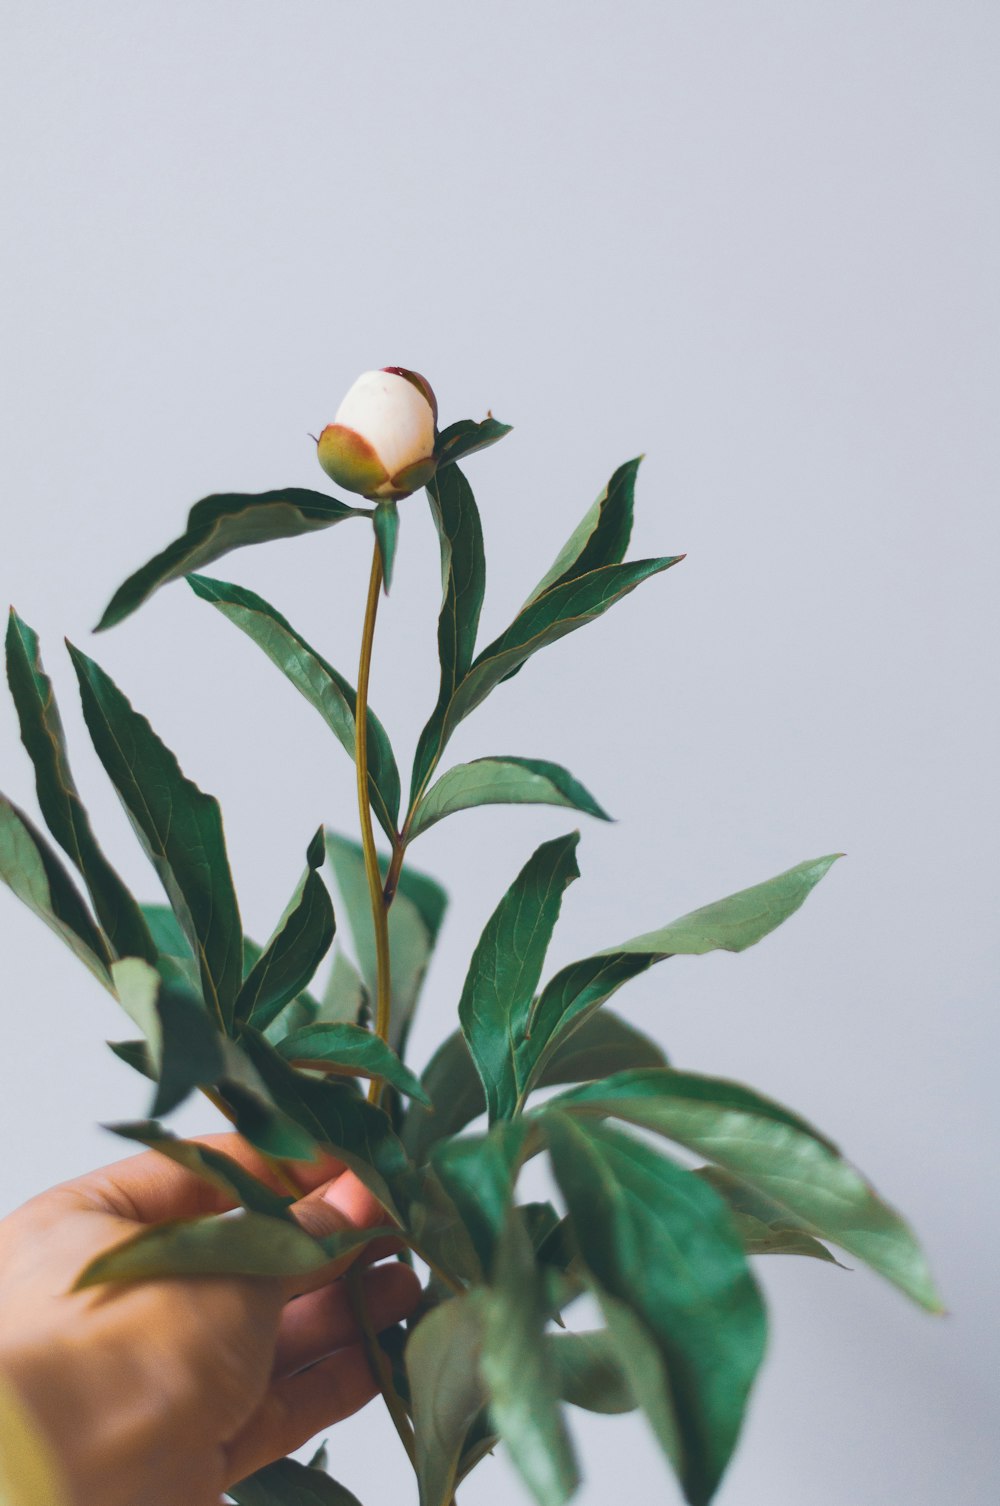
{"x": 351, "y": 1051}
{"x": 30, "y": 867}
{"x": 442, "y": 1362}
{"x": 506, "y": 966}
{"x": 296, "y": 949}
{"x": 463, "y": 577}
{"x": 559, "y": 611}
{"x": 135, "y": 1054}
{"x": 337, "y": 1117}
{"x": 323, "y": 687}
{"x": 589, "y": 1372}
{"x": 67, "y": 820}
{"x": 659, "y": 1241}
{"x": 226, "y": 521}
{"x": 167, "y": 935}
{"x": 764, "y": 1227}
{"x": 466, "y": 437}
{"x": 289, "y": 1483}
{"x": 602, "y": 1044}
{"x": 478, "y": 1173}
{"x": 413, "y": 922}
{"x": 601, "y": 538}
{"x": 502, "y": 781}
{"x": 773, "y": 1151}
{"x": 521, "y": 1378}
{"x": 179, "y": 827}
{"x": 434, "y": 1227}
{"x": 731, "y": 925}
{"x": 213, "y": 1166}
{"x": 386, "y": 524}
{"x": 185, "y": 1048}
{"x": 244, "y": 1244}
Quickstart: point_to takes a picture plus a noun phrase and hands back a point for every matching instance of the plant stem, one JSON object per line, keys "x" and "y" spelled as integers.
{"x": 379, "y": 1361}
{"x": 380, "y": 916}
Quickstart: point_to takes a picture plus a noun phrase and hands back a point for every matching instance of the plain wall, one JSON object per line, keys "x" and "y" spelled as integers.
{"x": 758, "y": 242}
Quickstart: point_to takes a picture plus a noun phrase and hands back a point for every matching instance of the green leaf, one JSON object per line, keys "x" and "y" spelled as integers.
{"x": 323, "y": 687}
{"x": 289, "y": 1483}
{"x": 559, "y": 611}
{"x": 296, "y": 949}
{"x": 502, "y": 781}
{"x": 135, "y": 1054}
{"x": 521, "y": 1378}
{"x": 589, "y": 1372}
{"x": 185, "y": 1048}
{"x": 30, "y": 867}
{"x": 764, "y": 1227}
{"x": 242, "y": 1244}
{"x": 659, "y": 1241}
{"x": 213, "y": 1166}
{"x": 603, "y": 1043}
{"x": 334, "y": 1114}
{"x": 220, "y": 523}
{"x": 442, "y": 1362}
{"x": 65, "y": 815}
{"x": 414, "y": 920}
{"x": 434, "y": 1227}
{"x": 351, "y": 1051}
{"x": 774, "y": 1152}
{"x": 463, "y": 579}
{"x": 167, "y": 935}
{"x": 601, "y": 538}
{"x": 466, "y": 437}
{"x": 506, "y": 966}
{"x": 731, "y": 925}
{"x": 179, "y": 827}
{"x": 386, "y": 524}
{"x": 345, "y": 998}
{"x": 478, "y": 1173}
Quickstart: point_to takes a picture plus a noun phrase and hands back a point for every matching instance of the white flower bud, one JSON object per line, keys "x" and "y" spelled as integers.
{"x": 381, "y": 441}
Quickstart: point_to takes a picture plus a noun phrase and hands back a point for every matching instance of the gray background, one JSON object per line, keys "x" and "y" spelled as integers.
{"x": 758, "y": 241}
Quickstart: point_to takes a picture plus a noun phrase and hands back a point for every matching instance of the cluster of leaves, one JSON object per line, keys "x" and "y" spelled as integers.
{"x": 662, "y": 1248}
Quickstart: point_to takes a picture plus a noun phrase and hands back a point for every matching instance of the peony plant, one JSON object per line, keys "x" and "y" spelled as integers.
{"x": 493, "y": 1352}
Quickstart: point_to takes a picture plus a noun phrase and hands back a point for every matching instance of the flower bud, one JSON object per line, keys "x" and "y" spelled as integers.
{"x": 381, "y": 441}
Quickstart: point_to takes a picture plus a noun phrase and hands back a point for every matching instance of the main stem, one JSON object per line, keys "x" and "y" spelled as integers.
{"x": 380, "y": 913}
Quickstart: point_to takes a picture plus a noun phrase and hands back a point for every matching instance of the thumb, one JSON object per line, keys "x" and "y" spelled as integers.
{"x": 342, "y": 1204}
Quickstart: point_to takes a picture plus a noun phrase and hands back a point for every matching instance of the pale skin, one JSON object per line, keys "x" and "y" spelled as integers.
{"x": 168, "y": 1391}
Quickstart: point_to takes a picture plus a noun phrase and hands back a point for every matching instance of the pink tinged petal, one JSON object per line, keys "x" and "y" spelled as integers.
{"x": 420, "y": 382}
{"x": 350, "y": 461}
{"x": 395, "y": 418}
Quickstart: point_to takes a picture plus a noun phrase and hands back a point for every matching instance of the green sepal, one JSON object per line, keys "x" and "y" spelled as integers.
{"x": 386, "y": 525}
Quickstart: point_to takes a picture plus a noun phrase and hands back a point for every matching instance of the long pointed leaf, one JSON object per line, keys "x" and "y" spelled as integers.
{"x": 601, "y": 538}
{"x": 507, "y": 964}
{"x": 247, "y": 1244}
{"x": 502, "y": 781}
{"x": 221, "y": 1172}
{"x": 350, "y": 1051}
{"x": 731, "y": 924}
{"x": 323, "y": 686}
{"x": 521, "y": 1378}
{"x": 466, "y": 437}
{"x": 30, "y": 867}
{"x": 660, "y": 1241}
{"x": 442, "y": 1363}
{"x": 179, "y": 827}
{"x": 773, "y": 1150}
{"x": 463, "y": 577}
{"x": 58, "y": 799}
{"x": 220, "y": 523}
{"x": 293, "y": 954}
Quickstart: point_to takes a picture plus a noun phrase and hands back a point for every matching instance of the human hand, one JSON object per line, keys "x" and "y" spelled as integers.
{"x": 168, "y": 1391}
